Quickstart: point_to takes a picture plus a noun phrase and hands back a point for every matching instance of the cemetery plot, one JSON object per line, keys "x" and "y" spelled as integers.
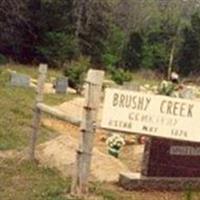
{"x": 133, "y": 112}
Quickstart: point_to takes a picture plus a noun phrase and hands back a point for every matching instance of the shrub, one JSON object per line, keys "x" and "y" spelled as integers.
{"x": 110, "y": 59}
{"x": 189, "y": 55}
{"x": 119, "y": 75}
{"x": 114, "y": 46}
{"x": 132, "y": 51}
{"x": 154, "y": 56}
{"x": 166, "y": 88}
{"x": 76, "y": 72}
{"x": 57, "y": 48}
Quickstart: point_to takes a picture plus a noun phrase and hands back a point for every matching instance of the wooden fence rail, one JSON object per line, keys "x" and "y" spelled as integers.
{"x": 87, "y": 125}
{"x": 58, "y": 114}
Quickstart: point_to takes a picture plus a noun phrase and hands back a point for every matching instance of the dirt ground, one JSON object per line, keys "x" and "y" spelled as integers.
{"x": 131, "y": 157}
{"x": 131, "y": 154}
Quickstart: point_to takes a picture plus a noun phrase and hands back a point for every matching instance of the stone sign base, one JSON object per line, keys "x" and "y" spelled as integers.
{"x": 134, "y": 181}
{"x": 171, "y": 158}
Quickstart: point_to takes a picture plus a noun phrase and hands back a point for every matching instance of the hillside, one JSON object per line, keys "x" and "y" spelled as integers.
{"x": 21, "y": 180}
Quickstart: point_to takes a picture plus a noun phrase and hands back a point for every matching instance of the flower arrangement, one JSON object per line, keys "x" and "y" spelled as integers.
{"x": 115, "y": 143}
{"x": 166, "y": 88}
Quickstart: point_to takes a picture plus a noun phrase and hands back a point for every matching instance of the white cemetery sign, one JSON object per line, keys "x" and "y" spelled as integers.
{"x": 152, "y": 115}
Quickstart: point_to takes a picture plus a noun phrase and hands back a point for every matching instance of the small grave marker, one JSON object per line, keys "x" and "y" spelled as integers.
{"x": 20, "y": 80}
{"x": 187, "y": 93}
{"x": 61, "y": 85}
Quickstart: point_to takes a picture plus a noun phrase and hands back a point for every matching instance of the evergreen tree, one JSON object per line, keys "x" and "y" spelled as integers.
{"x": 133, "y": 51}
{"x": 92, "y": 27}
{"x": 189, "y": 60}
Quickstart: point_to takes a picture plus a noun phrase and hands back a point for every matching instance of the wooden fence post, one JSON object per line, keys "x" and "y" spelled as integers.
{"x": 84, "y": 153}
{"x": 37, "y": 111}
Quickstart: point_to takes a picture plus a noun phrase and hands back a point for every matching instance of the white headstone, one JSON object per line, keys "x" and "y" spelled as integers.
{"x": 20, "y": 80}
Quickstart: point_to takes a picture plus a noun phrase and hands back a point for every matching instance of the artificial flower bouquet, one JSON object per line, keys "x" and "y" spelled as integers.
{"x": 115, "y": 143}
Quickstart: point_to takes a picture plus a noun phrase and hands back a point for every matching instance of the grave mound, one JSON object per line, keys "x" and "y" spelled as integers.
{"x": 60, "y": 153}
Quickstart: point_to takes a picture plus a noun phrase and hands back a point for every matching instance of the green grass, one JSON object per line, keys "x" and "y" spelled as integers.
{"x": 27, "y": 181}
{"x": 32, "y": 70}
{"x": 22, "y": 180}
{"x": 146, "y": 77}
{"x": 52, "y": 99}
{"x": 143, "y": 77}
{"x": 16, "y": 111}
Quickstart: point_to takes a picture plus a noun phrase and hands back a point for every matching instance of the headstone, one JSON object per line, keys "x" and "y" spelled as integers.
{"x": 20, "y": 80}
{"x": 187, "y": 93}
{"x": 61, "y": 85}
{"x": 171, "y": 158}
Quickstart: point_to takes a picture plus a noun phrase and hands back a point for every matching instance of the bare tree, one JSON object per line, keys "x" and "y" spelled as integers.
{"x": 91, "y": 25}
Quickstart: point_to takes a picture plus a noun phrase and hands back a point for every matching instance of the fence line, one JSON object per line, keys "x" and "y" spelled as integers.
{"x": 58, "y": 114}
{"x": 37, "y": 112}
{"x": 87, "y": 124}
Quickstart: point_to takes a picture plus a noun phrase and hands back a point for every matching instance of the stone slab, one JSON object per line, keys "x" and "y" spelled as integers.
{"x": 20, "y": 80}
{"x": 61, "y": 85}
{"x": 187, "y": 93}
{"x": 134, "y": 181}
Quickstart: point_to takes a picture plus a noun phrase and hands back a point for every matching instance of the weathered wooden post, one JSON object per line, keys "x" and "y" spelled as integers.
{"x": 84, "y": 153}
{"x": 37, "y": 111}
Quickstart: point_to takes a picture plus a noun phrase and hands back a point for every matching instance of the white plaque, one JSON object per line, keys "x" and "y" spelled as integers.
{"x": 152, "y": 115}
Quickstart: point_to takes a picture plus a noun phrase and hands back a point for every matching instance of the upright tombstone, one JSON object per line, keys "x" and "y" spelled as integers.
{"x": 187, "y": 93}
{"x": 20, "y": 80}
{"x": 61, "y": 85}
